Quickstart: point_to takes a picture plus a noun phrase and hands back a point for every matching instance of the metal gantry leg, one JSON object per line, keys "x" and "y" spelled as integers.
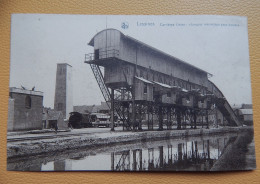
{"x": 207, "y": 119}
{"x": 195, "y": 119}
{"x": 140, "y": 160}
{"x": 112, "y": 110}
{"x": 112, "y": 161}
{"x": 178, "y": 119}
{"x": 160, "y": 118}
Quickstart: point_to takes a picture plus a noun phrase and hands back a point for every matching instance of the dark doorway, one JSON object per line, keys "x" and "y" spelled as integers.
{"x": 96, "y": 53}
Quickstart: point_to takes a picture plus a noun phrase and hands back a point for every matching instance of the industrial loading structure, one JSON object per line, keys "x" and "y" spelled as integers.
{"x": 145, "y": 86}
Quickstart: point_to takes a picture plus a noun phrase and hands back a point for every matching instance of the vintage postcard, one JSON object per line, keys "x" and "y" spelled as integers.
{"x": 129, "y": 93}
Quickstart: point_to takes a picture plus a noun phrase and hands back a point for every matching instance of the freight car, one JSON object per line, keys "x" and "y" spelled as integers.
{"x": 100, "y": 120}
{"x": 79, "y": 120}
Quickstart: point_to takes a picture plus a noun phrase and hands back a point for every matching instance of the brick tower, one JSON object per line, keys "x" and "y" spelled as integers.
{"x": 63, "y": 91}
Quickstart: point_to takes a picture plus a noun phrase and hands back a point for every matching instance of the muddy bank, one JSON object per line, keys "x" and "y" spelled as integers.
{"x": 238, "y": 156}
{"x": 36, "y": 147}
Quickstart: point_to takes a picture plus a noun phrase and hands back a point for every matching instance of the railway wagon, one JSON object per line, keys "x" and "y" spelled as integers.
{"x": 100, "y": 120}
{"x": 79, "y": 120}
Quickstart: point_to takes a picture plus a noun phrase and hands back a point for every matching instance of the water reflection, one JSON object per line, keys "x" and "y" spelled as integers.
{"x": 193, "y": 154}
{"x": 190, "y": 156}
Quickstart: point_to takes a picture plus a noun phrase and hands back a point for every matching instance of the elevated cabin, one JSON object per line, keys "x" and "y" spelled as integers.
{"x": 127, "y": 61}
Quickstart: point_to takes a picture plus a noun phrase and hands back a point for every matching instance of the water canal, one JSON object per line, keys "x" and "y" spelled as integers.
{"x": 203, "y": 153}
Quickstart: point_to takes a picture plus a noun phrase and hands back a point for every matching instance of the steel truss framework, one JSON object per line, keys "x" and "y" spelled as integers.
{"x": 134, "y": 113}
{"x": 165, "y": 116}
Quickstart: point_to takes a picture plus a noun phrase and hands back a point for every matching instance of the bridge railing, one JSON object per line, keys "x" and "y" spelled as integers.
{"x": 102, "y": 54}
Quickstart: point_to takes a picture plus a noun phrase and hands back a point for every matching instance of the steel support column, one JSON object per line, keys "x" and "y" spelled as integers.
{"x": 160, "y": 118}
{"x": 112, "y": 110}
{"x": 178, "y": 118}
{"x": 207, "y": 119}
{"x": 195, "y": 119}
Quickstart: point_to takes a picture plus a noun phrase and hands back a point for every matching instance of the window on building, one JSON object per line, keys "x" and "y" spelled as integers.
{"x": 145, "y": 88}
{"x": 28, "y": 102}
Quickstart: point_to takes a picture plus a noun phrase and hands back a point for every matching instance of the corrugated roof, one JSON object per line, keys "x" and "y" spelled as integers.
{"x": 163, "y": 53}
{"x": 164, "y": 85}
{"x": 144, "y": 80}
{"x": 91, "y": 43}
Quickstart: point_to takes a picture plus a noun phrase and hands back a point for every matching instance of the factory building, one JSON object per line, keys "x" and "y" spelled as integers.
{"x": 24, "y": 109}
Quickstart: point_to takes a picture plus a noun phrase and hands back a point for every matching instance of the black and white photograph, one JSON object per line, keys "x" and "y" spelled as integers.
{"x": 129, "y": 93}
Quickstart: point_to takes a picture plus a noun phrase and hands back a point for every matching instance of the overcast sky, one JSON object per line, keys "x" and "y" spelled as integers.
{"x": 216, "y": 44}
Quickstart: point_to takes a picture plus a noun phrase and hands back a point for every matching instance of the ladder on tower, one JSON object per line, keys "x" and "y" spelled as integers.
{"x": 105, "y": 92}
{"x": 100, "y": 80}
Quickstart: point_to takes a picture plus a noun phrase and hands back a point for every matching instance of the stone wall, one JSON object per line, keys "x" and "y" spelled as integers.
{"x": 24, "y": 117}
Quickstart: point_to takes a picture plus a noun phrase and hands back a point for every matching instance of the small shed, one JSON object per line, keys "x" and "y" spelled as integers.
{"x": 51, "y": 118}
